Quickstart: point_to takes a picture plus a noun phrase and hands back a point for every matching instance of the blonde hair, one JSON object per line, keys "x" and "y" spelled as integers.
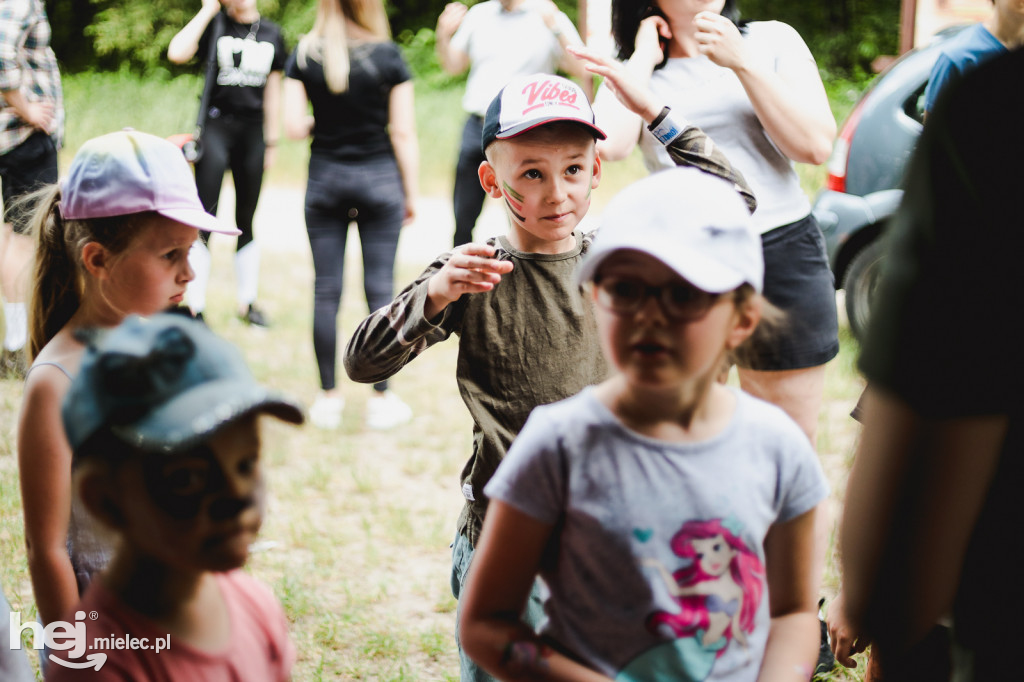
{"x": 58, "y": 273}
{"x": 328, "y": 42}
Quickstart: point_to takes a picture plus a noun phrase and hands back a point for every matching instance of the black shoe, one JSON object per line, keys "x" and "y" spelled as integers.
{"x": 255, "y": 317}
{"x": 826, "y": 659}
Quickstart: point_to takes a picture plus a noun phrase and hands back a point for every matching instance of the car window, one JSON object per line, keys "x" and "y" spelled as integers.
{"x": 913, "y": 106}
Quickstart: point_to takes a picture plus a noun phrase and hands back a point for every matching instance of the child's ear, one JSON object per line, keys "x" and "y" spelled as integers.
{"x": 99, "y": 497}
{"x": 747, "y": 317}
{"x": 595, "y": 179}
{"x": 489, "y": 179}
{"x": 96, "y": 259}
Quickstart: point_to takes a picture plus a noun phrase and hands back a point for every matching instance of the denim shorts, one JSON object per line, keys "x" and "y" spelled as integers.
{"x": 26, "y": 168}
{"x": 533, "y": 612}
{"x": 798, "y": 280}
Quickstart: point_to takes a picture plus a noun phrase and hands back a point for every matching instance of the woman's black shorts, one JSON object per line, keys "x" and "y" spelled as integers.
{"x": 797, "y": 279}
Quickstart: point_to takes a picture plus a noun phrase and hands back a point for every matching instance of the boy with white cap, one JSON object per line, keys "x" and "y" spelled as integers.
{"x": 527, "y": 336}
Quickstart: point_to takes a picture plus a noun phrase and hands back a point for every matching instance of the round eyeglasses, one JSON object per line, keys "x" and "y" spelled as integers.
{"x": 680, "y": 301}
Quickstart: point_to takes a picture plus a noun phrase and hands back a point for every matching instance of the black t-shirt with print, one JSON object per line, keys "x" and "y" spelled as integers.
{"x": 246, "y": 55}
{"x": 352, "y": 125}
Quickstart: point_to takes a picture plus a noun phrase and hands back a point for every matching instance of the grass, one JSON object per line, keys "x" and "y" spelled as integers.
{"x": 359, "y": 521}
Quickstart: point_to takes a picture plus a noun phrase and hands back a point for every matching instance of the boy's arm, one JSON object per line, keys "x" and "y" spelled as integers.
{"x": 421, "y": 315}
{"x": 393, "y": 336}
{"x": 692, "y": 147}
{"x": 686, "y": 144}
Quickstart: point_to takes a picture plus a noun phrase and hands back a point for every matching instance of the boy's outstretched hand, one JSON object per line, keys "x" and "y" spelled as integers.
{"x": 620, "y": 81}
{"x": 470, "y": 270}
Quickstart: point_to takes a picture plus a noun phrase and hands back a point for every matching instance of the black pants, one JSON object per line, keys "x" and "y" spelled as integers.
{"x": 235, "y": 143}
{"x": 371, "y": 195}
{"x": 468, "y": 197}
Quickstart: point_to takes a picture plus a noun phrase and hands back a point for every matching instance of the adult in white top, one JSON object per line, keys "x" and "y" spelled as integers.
{"x": 496, "y": 40}
{"x": 755, "y": 90}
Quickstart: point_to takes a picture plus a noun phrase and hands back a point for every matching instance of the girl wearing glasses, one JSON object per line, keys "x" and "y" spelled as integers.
{"x": 671, "y": 516}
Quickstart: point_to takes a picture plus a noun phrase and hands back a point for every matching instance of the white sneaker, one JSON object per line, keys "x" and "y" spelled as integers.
{"x": 326, "y": 411}
{"x": 386, "y": 410}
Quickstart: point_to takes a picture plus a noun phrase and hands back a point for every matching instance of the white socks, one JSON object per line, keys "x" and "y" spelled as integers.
{"x": 15, "y": 326}
{"x": 247, "y": 273}
{"x": 199, "y": 259}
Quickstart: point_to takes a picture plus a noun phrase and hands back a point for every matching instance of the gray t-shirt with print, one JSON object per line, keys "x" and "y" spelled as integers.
{"x": 656, "y": 565}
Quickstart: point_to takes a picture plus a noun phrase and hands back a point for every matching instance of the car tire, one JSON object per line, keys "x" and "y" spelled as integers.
{"x": 861, "y": 283}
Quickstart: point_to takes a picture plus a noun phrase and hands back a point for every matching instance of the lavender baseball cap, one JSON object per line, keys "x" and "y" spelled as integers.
{"x": 133, "y": 172}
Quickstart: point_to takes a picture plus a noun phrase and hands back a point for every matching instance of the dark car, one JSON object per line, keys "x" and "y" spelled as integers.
{"x": 865, "y": 172}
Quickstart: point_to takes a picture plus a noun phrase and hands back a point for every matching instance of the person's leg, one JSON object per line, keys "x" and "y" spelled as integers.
{"x": 380, "y": 224}
{"x": 327, "y": 218}
{"x": 210, "y": 171}
{"x": 24, "y": 169}
{"x": 468, "y": 196}
{"x": 247, "y": 153}
{"x": 798, "y": 392}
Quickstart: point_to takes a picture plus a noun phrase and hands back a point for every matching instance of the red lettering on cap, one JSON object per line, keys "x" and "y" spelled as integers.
{"x": 547, "y": 92}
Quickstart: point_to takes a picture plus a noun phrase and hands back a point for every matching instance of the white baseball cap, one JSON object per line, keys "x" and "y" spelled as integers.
{"x": 695, "y": 223}
{"x": 530, "y": 101}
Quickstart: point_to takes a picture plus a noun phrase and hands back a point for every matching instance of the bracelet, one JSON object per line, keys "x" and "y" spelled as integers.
{"x": 664, "y": 128}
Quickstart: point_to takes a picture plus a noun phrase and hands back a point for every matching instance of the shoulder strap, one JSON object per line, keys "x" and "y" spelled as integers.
{"x": 211, "y": 73}
{"x": 51, "y": 364}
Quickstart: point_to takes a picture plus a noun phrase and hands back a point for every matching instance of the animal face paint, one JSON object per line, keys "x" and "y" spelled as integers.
{"x": 180, "y": 484}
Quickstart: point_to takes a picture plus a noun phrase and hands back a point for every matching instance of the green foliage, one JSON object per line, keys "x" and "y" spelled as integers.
{"x": 418, "y": 50}
{"x": 844, "y": 35}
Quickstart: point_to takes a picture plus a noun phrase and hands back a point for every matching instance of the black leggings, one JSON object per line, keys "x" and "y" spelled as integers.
{"x": 235, "y": 143}
{"x": 370, "y": 194}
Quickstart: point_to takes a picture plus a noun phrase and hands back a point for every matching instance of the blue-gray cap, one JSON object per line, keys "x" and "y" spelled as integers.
{"x": 163, "y": 384}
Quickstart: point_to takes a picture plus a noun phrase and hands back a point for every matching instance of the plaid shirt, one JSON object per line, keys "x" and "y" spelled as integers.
{"x": 27, "y": 64}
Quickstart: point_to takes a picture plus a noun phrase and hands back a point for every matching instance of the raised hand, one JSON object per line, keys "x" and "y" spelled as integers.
{"x": 719, "y": 39}
{"x": 470, "y": 270}
{"x": 620, "y": 81}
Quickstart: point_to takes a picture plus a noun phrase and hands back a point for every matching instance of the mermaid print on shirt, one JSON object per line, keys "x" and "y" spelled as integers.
{"x": 718, "y": 591}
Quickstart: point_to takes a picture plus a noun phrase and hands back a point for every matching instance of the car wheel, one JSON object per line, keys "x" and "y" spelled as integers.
{"x": 861, "y": 283}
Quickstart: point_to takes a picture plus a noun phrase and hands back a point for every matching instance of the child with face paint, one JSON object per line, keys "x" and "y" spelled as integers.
{"x": 163, "y": 419}
{"x": 527, "y": 336}
{"x": 671, "y": 516}
{"x": 112, "y": 239}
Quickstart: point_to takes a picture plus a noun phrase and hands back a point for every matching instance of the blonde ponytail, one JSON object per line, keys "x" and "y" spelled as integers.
{"x": 328, "y": 42}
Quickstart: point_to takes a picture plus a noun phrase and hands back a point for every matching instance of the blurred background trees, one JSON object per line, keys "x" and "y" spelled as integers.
{"x": 112, "y": 35}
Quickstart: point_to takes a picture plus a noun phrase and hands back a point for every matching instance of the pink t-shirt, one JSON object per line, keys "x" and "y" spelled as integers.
{"x": 259, "y": 650}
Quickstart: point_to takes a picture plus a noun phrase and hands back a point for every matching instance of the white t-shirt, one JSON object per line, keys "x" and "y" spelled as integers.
{"x": 502, "y": 45}
{"x": 627, "y": 507}
{"x": 712, "y": 98}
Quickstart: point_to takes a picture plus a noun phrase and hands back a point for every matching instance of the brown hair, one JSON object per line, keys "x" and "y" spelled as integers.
{"x": 58, "y": 274}
{"x": 773, "y": 321}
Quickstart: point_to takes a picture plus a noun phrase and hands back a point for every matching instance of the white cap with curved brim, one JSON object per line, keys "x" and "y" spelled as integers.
{"x": 695, "y": 223}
